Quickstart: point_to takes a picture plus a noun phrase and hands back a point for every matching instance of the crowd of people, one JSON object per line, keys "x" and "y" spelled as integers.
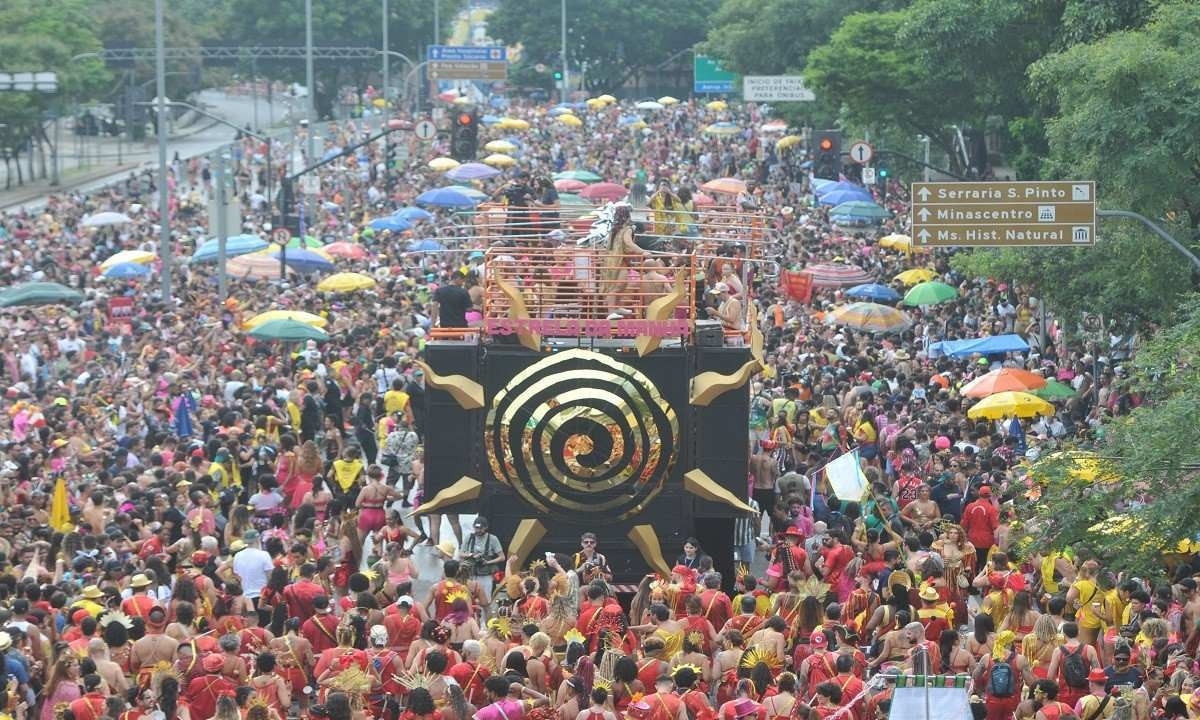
{"x": 234, "y": 545}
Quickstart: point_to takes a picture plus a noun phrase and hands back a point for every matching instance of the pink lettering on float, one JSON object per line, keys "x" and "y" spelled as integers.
{"x": 573, "y": 327}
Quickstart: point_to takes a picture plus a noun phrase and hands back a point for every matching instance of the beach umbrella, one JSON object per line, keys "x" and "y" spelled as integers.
{"x": 140, "y": 257}
{"x": 303, "y": 243}
{"x": 581, "y": 175}
{"x": 837, "y": 197}
{"x": 413, "y": 214}
{"x": 288, "y": 330}
{"x": 726, "y": 185}
{"x": 717, "y": 105}
{"x": 788, "y": 141}
{"x": 1009, "y": 404}
{"x": 499, "y": 160}
{"x": 468, "y": 191}
{"x": 668, "y": 100}
{"x": 442, "y": 164}
{"x": 1055, "y": 390}
{"x": 104, "y": 219}
{"x": 819, "y": 184}
{"x": 305, "y": 261}
{"x": 873, "y": 292}
{"x": 835, "y": 275}
{"x": 39, "y": 293}
{"x": 560, "y": 110}
{"x": 345, "y": 282}
{"x": 489, "y": 119}
{"x": 930, "y": 292}
{"x": 607, "y": 98}
{"x": 123, "y": 271}
{"x": 861, "y": 209}
{"x": 914, "y": 276}
{"x": 1003, "y": 380}
{"x": 703, "y": 200}
{"x": 604, "y": 191}
{"x": 348, "y": 250}
{"x": 446, "y": 197}
{"x": 234, "y": 246}
{"x": 570, "y": 120}
{"x": 254, "y": 267}
{"x": 827, "y": 186}
{"x": 426, "y": 245}
{"x": 298, "y": 315}
{"x": 627, "y": 120}
{"x": 722, "y": 128}
{"x": 569, "y": 185}
{"x": 870, "y": 317}
{"x": 649, "y": 105}
{"x": 472, "y": 171}
{"x": 774, "y": 126}
{"x": 500, "y": 146}
{"x": 390, "y": 223}
{"x": 896, "y": 241}
{"x": 508, "y": 123}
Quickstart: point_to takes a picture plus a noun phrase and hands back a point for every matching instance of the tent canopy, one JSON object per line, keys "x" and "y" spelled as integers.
{"x": 983, "y": 346}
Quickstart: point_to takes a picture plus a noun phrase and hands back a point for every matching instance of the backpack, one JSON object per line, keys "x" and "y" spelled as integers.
{"x": 1075, "y": 668}
{"x": 1001, "y": 681}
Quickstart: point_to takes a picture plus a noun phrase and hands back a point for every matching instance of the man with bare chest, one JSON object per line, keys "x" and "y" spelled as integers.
{"x": 765, "y": 471}
{"x": 153, "y": 648}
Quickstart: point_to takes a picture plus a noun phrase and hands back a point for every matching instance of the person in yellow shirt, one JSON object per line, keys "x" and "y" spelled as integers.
{"x": 1085, "y": 598}
{"x": 396, "y": 400}
{"x": 224, "y": 471}
{"x": 88, "y": 599}
{"x": 348, "y": 473}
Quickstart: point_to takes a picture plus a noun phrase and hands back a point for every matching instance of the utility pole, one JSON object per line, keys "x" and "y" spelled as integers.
{"x": 566, "y": 72}
{"x": 164, "y": 210}
{"x": 222, "y": 199}
{"x": 386, "y": 57}
{"x": 308, "y": 72}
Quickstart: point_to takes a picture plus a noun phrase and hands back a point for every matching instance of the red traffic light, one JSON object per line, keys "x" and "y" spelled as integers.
{"x": 465, "y": 119}
{"x": 826, "y": 144}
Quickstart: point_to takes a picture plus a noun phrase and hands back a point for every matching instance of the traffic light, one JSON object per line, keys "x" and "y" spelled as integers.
{"x": 391, "y": 157}
{"x": 827, "y": 155}
{"x": 464, "y": 145}
{"x": 557, "y": 75}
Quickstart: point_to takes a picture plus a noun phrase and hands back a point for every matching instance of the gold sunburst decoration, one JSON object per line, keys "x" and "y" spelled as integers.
{"x": 537, "y": 565}
{"x": 812, "y": 587}
{"x": 457, "y": 594}
{"x": 500, "y": 626}
{"x": 574, "y": 636}
{"x": 413, "y": 680}
{"x": 696, "y": 639}
{"x": 352, "y": 681}
{"x": 687, "y": 666}
{"x": 116, "y": 616}
{"x": 755, "y": 655}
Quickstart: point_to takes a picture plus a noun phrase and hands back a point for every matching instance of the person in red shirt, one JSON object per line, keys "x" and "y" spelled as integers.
{"x": 320, "y": 629}
{"x": 471, "y": 674}
{"x": 403, "y": 626}
{"x": 980, "y": 519}
{"x": 204, "y": 690}
{"x": 91, "y": 705}
{"x": 835, "y": 556}
{"x": 933, "y": 614}
{"x": 299, "y": 595}
{"x": 829, "y": 700}
{"x": 694, "y": 701}
{"x": 850, "y": 685}
{"x": 716, "y": 604}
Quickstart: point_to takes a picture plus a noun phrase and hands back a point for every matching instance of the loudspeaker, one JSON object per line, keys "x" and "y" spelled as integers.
{"x": 709, "y": 333}
{"x": 722, "y": 434}
{"x": 451, "y": 433}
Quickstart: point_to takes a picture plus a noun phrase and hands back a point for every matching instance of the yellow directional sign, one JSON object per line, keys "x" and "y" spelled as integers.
{"x": 1004, "y": 213}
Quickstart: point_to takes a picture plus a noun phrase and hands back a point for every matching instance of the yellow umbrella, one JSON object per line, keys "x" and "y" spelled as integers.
{"x": 570, "y": 120}
{"x": 442, "y": 164}
{"x": 141, "y": 257}
{"x": 463, "y": 100}
{"x": 668, "y": 100}
{"x": 896, "y": 241}
{"x": 500, "y": 146}
{"x": 607, "y": 98}
{"x": 499, "y": 160}
{"x": 60, "y": 510}
{"x": 298, "y": 315}
{"x": 915, "y": 276}
{"x": 344, "y": 282}
{"x": 1009, "y": 404}
{"x": 596, "y": 103}
{"x": 788, "y": 141}
{"x": 379, "y": 102}
{"x": 717, "y": 105}
{"x": 639, "y": 125}
{"x": 513, "y": 124}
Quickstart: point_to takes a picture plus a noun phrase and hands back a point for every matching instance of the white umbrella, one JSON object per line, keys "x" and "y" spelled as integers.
{"x": 649, "y": 105}
{"x": 103, "y": 219}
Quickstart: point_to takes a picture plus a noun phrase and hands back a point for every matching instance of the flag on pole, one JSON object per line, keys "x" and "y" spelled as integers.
{"x": 846, "y": 477}
{"x": 60, "y": 510}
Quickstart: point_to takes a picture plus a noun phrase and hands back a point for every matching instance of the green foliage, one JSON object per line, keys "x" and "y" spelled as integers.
{"x": 616, "y": 39}
{"x": 1155, "y": 451}
{"x": 1130, "y": 120}
{"x": 1088, "y": 20}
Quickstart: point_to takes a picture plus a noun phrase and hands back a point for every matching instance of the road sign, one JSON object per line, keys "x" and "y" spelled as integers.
{"x": 710, "y": 77}
{"x": 861, "y": 152}
{"x": 999, "y": 214}
{"x": 467, "y": 53}
{"x": 775, "y": 88}
{"x": 281, "y": 236}
{"x": 868, "y": 176}
{"x": 310, "y": 185}
{"x": 425, "y": 130}
{"x": 468, "y": 70}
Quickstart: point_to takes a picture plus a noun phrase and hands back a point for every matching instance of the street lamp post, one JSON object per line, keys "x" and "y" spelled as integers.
{"x": 566, "y": 72}
{"x": 385, "y": 54}
{"x": 164, "y": 218}
{"x": 308, "y": 73}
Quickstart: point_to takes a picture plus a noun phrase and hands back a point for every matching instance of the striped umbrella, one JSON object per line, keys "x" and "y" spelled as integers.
{"x": 254, "y": 267}
{"x": 1003, "y": 380}
{"x": 835, "y": 275}
{"x": 870, "y": 317}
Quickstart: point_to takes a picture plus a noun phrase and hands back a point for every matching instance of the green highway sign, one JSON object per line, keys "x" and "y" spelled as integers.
{"x": 710, "y": 77}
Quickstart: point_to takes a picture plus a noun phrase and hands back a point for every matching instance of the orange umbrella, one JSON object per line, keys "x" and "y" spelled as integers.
{"x": 727, "y": 185}
{"x": 351, "y": 251}
{"x": 1003, "y": 380}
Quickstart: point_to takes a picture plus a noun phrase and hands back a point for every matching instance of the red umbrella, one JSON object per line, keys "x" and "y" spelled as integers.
{"x": 726, "y": 185}
{"x": 1002, "y": 380}
{"x": 833, "y": 275}
{"x": 351, "y": 251}
{"x": 569, "y": 185}
{"x": 604, "y": 191}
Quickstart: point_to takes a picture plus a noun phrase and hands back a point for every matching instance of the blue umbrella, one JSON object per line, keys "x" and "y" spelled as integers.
{"x": 828, "y": 186}
{"x": 837, "y": 197}
{"x": 560, "y": 110}
{"x": 305, "y": 261}
{"x": 127, "y": 270}
{"x": 445, "y": 197}
{"x": 472, "y": 171}
{"x": 873, "y": 292}
{"x": 393, "y": 224}
{"x": 427, "y": 245}
{"x": 628, "y": 119}
{"x": 489, "y": 119}
{"x": 818, "y": 184}
{"x": 861, "y": 209}
{"x": 851, "y": 220}
{"x": 234, "y": 246}
{"x": 413, "y": 214}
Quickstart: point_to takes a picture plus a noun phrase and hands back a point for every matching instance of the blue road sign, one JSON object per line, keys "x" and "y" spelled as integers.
{"x": 466, "y": 53}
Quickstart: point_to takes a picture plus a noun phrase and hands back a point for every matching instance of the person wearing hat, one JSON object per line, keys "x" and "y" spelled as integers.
{"x": 934, "y": 614}
{"x": 1001, "y": 675}
{"x": 88, "y": 600}
{"x": 12, "y": 664}
{"x": 819, "y": 667}
{"x": 1098, "y": 703}
{"x": 203, "y": 691}
{"x": 139, "y": 603}
{"x": 388, "y": 665}
{"x": 728, "y": 309}
{"x": 483, "y": 554}
{"x": 1121, "y": 672}
{"x": 980, "y": 518}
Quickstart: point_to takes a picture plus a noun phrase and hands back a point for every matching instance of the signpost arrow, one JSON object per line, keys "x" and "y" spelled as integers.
{"x": 923, "y": 193}
{"x": 923, "y": 236}
{"x": 924, "y": 214}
